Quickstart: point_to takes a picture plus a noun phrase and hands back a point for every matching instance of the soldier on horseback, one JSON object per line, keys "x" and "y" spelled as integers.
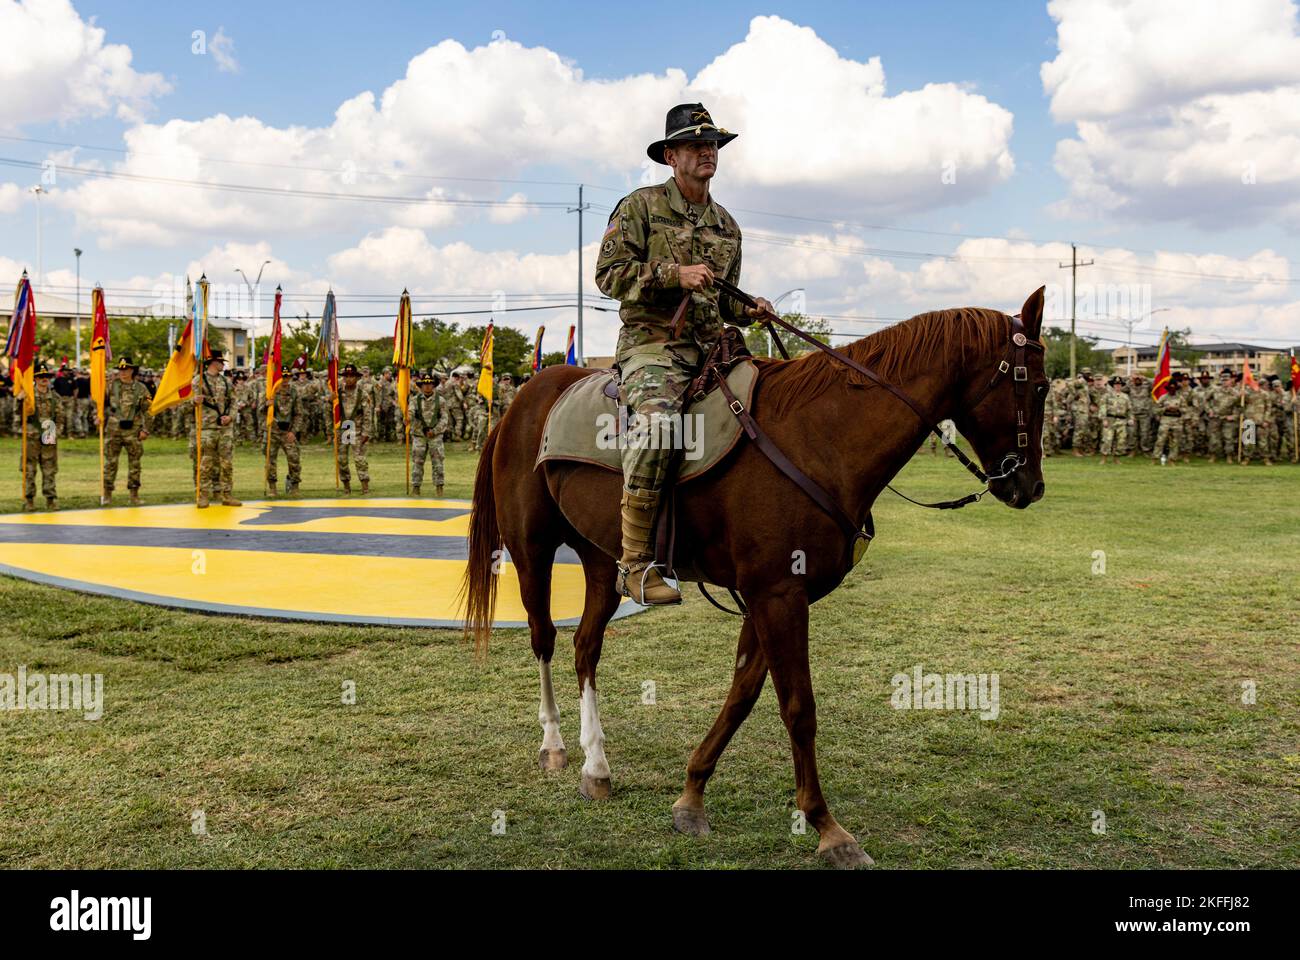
{"x": 659, "y": 255}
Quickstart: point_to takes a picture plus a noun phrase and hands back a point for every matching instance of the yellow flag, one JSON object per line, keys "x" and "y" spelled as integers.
{"x": 485, "y": 376}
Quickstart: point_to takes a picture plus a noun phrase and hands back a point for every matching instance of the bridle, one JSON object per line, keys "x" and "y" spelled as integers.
{"x": 1013, "y": 362}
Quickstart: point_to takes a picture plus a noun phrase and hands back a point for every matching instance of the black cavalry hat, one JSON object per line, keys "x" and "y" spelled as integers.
{"x": 350, "y": 371}
{"x": 214, "y": 356}
{"x": 125, "y": 362}
{"x": 688, "y": 121}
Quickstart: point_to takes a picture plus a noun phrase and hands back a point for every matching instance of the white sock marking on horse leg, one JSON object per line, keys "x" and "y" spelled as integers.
{"x": 592, "y": 736}
{"x": 549, "y": 712}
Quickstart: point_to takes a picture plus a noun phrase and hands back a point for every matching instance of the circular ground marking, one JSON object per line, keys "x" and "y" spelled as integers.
{"x": 384, "y": 561}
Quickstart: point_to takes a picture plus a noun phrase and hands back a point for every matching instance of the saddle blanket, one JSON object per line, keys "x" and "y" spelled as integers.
{"x": 589, "y": 425}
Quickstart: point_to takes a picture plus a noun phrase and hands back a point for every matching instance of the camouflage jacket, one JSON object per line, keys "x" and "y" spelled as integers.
{"x": 290, "y": 408}
{"x": 127, "y": 401}
{"x": 46, "y": 407}
{"x": 217, "y": 395}
{"x": 1115, "y": 406}
{"x": 650, "y": 235}
{"x": 358, "y": 406}
{"x": 1224, "y": 402}
{"x": 428, "y": 415}
{"x": 1170, "y": 404}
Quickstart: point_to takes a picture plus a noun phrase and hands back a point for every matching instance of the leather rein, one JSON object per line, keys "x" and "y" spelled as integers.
{"x": 1013, "y": 361}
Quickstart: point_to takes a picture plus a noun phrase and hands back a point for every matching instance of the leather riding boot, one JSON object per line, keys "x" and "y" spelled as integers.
{"x": 637, "y": 578}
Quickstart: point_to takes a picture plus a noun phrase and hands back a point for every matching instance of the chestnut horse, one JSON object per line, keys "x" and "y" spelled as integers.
{"x": 739, "y": 524}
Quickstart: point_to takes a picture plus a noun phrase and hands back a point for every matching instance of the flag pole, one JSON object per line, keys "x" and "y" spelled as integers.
{"x": 1241, "y": 416}
{"x": 22, "y": 470}
{"x": 198, "y": 442}
{"x": 1295, "y": 427}
{"x": 266, "y": 473}
{"x": 101, "y": 461}
{"x": 406, "y": 420}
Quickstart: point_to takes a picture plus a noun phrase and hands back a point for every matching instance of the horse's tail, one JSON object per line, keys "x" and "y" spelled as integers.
{"x": 479, "y": 588}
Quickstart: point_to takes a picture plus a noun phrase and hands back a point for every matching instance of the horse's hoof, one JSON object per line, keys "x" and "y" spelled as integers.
{"x": 594, "y": 788}
{"x": 552, "y": 760}
{"x": 691, "y": 821}
{"x": 847, "y": 856}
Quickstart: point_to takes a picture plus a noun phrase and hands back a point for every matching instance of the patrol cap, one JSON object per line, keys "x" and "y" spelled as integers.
{"x": 685, "y": 122}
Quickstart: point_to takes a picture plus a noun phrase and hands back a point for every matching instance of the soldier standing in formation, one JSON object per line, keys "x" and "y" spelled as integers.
{"x": 357, "y": 416}
{"x": 1258, "y": 413}
{"x": 456, "y": 407}
{"x": 42, "y": 441}
{"x": 1084, "y": 409}
{"x": 428, "y": 413}
{"x": 1116, "y": 414}
{"x": 126, "y": 426}
{"x": 1144, "y": 416}
{"x": 1169, "y": 433}
{"x": 290, "y": 421}
{"x": 478, "y": 418}
{"x": 215, "y": 396}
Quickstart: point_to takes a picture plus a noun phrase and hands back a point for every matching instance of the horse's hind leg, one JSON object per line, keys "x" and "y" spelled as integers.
{"x": 746, "y": 685}
{"x": 601, "y": 602}
{"x": 534, "y": 562}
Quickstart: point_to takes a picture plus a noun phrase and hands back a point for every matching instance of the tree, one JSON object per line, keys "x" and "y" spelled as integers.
{"x": 512, "y": 353}
{"x": 1088, "y": 354}
{"x": 1181, "y": 350}
{"x": 756, "y": 337}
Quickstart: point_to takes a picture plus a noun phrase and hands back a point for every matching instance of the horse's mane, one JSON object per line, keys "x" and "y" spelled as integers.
{"x": 945, "y": 337}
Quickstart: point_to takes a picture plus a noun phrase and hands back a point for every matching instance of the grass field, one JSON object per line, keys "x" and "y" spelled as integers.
{"x": 1121, "y": 692}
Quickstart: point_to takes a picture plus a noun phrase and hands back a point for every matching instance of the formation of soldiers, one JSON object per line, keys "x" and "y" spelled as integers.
{"x": 1196, "y": 416}
{"x": 235, "y": 407}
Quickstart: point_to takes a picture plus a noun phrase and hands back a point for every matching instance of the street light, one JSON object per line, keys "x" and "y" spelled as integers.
{"x": 251, "y": 295}
{"x": 77, "y": 251}
{"x": 774, "y": 306}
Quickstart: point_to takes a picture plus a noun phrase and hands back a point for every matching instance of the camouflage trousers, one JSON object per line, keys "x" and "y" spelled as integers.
{"x": 457, "y": 415}
{"x": 480, "y": 422}
{"x": 1286, "y": 438}
{"x": 1114, "y": 438}
{"x": 279, "y": 441}
{"x": 46, "y": 455}
{"x": 218, "y": 465}
{"x": 1169, "y": 437}
{"x": 1146, "y": 432}
{"x": 358, "y": 448}
{"x": 430, "y": 448}
{"x": 1051, "y": 437}
{"x": 1262, "y": 448}
{"x": 653, "y": 378}
{"x": 1223, "y": 437}
{"x": 1084, "y": 440}
{"x": 114, "y": 443}
{"x": 82, "y": 416}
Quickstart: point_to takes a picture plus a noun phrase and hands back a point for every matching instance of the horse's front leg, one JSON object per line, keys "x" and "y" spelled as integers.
{"x": 782, "y": 624}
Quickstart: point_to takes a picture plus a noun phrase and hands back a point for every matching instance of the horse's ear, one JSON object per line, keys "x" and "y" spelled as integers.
{"x": 1031, "y": 314}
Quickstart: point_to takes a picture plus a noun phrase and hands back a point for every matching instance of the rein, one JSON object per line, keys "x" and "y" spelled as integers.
{"x": 1013, "y": 361}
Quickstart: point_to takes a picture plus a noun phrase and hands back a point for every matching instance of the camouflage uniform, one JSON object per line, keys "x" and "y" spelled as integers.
{"x": 290, "y": 421}
{"x": 1144, "y": 415}
{"x": 1115, "y": 412}
{"x": 1287, "y": 427}
{"x": 1169, "y": 433}
{"x": 386, "y": 407}
{"x": 456, "y": 408}
{"x": 651, "y": 234}
{"x": 428, "y": 423}
{"x": 1224, "y": 407}
{"x": 1051, "y": 419}
{"x": 478, "y": 418}
{"x": 1258, "y": 411}
{"x": 356, "y": 426}
{"x": 215, "y": 395}
{"x": 42, "y": 425}
{"x": 126, "y": 416}
{"x": 1084, "y": 408}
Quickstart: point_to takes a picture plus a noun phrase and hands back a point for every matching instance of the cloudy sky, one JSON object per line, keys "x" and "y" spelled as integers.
{"x": 892, "y": 158}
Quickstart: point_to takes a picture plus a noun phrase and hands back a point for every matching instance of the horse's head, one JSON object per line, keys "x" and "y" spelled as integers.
{"x": 1001, "y": 410}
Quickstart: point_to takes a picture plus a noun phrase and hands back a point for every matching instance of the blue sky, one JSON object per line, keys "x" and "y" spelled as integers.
{"x": 298, "y": 63}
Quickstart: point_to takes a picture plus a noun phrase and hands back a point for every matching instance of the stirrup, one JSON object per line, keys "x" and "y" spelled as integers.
{"x": 645, "y": 571}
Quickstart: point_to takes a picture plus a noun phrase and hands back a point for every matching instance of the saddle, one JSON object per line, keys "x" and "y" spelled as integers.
{"x": 585, "y": 424}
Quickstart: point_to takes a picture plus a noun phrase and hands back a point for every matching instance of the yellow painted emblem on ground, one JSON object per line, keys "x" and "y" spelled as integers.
{"x": 385, "y": 561}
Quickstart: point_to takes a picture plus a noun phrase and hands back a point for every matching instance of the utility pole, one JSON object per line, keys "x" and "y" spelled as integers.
{"x": 577, "y": 339}
{"x": 77, "y": 251}
{"x": 1074, "y": 266}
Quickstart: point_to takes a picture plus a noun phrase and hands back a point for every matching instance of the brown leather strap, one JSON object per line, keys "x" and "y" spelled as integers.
{"x": 786, "y": 466}
{"x": 679, "y": 317}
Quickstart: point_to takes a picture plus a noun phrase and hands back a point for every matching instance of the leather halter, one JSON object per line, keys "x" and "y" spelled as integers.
{"x": 1013, "y": 362}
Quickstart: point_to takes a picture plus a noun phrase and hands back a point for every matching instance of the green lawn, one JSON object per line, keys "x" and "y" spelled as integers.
{"x": 1120, "y": 692}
